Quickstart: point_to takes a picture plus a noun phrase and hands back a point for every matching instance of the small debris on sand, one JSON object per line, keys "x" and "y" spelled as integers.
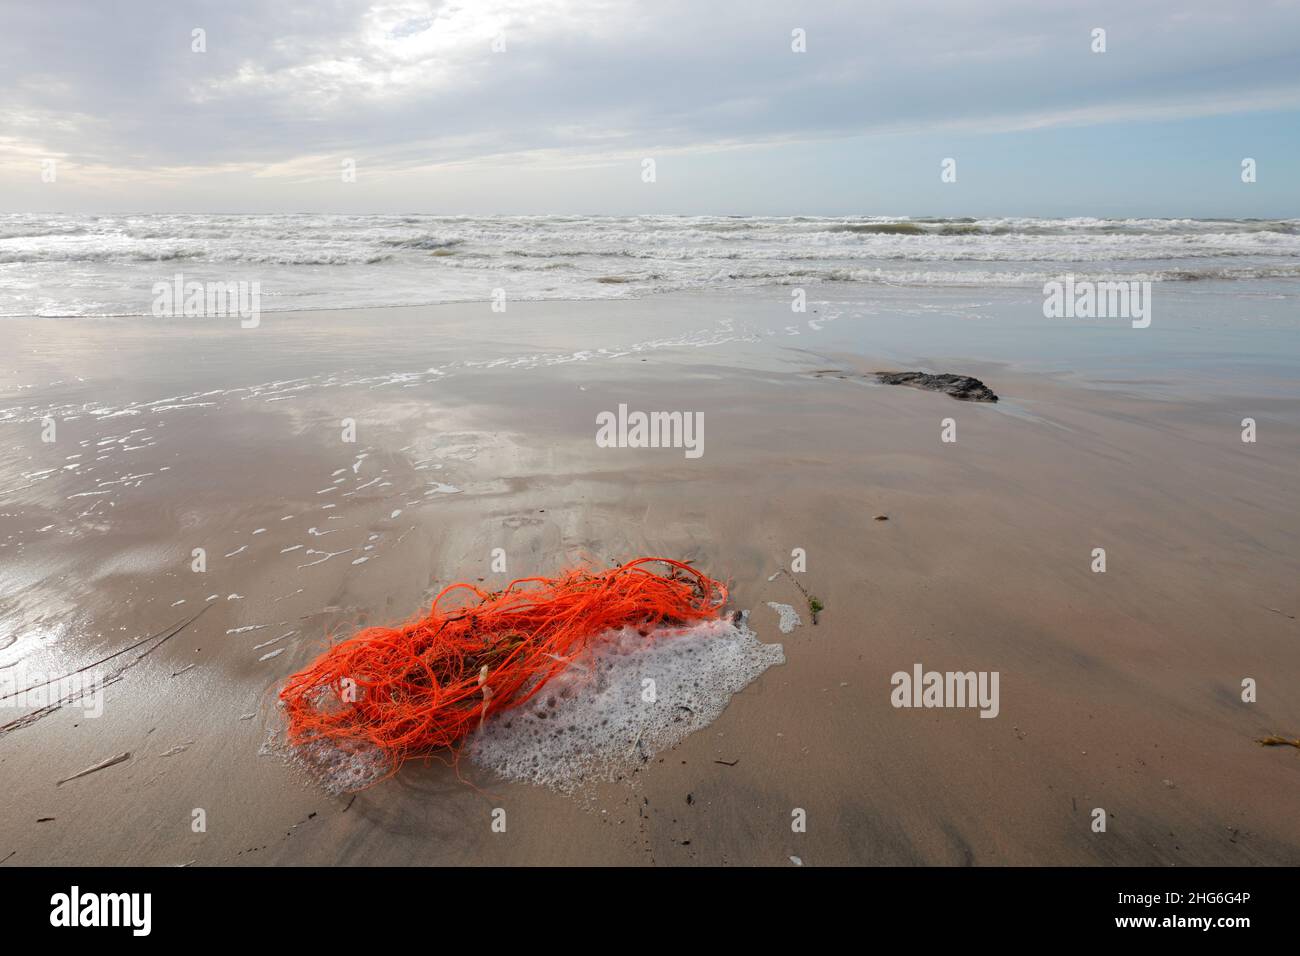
{"x": 961, "y": 387}
{"x": 102, "y": 765}
{"x": 815, "y": 607}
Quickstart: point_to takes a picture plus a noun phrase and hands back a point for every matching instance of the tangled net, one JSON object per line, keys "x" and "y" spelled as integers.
{"x": 408, "y": 691}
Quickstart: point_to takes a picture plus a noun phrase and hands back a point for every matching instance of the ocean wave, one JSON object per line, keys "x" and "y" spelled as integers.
{"x": 882, "y": 228}
{"x": 423, "y": 242}
{"x": 257, "y": 256}
{"x": 69, "y": 265}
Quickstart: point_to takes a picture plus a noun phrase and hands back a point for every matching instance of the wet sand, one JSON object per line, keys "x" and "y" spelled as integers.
{"x": 1118, "y": 690}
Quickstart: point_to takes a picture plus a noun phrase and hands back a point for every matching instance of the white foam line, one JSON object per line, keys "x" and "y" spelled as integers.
{"x": 328, "y": 555}
{"x": 258, "y": 647}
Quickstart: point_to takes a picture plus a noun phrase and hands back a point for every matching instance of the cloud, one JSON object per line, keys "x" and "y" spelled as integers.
{"x": 286, "y": 89}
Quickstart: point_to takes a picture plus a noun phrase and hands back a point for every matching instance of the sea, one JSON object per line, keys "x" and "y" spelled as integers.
{"x": 80, "y": 265}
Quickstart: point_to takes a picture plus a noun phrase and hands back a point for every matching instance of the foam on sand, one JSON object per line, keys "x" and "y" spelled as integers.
{"x": 789, "y": 616}
{"x": 622, "y": 701}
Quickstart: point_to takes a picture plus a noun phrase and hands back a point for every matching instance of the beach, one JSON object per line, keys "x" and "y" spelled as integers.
{"x": 340, "y": 467}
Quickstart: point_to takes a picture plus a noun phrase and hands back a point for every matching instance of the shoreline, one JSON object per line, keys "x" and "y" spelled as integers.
{"x": 1277, "y": 286}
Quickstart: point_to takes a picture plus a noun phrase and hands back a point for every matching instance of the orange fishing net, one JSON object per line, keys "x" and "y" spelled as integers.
{"x": 423, "y": 685}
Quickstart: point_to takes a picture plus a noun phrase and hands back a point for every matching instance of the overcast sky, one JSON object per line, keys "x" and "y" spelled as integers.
{"x": 560, "y": 120}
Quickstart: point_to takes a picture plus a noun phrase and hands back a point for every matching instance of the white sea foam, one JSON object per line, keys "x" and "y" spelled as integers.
{"x": 105, "y": 265}
{"x": 789, "y": 616}
{"x": 621, "y": 702}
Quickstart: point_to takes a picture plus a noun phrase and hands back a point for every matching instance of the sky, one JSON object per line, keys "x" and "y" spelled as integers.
{"x": 531, "y": 107}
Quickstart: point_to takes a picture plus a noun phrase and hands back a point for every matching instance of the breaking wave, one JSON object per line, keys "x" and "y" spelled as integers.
{"x": 106, "y": 265}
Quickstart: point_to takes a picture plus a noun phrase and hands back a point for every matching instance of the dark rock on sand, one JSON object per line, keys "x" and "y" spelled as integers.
{"x": 961, "y": 387}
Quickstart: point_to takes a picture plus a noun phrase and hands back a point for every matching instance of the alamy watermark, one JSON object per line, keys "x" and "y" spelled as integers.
{"x": 922, "y": 688}
{"x": 651, "y": 430}
{"x": 31, "y": 690}
{"x": 195, "y": 299}
{"x": 1070, "y": 298}
{"x": 75, "y": 908}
